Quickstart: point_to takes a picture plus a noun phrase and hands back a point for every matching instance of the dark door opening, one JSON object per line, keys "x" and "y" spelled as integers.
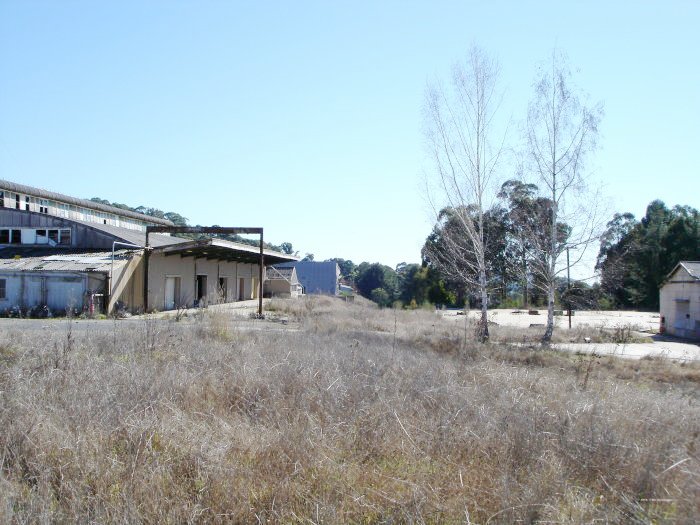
{"x": 201, "y": 290}
{"x": 223, "y": 285}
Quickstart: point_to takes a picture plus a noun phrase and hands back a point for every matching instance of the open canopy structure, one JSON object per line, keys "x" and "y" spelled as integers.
{"x": 214, "y": 249}
{"x": 222, "y": 250}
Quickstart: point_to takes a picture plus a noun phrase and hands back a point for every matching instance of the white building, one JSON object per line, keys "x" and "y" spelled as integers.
{"x": 679, "y": 299}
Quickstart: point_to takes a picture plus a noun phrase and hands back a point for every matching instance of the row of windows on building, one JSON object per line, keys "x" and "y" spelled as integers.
{"x": 52, "y": 237}
{"x": 28, "y": 203}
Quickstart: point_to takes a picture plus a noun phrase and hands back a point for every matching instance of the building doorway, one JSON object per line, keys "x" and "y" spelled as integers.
{"x": 241, "y": 289}
{"x": 201, "y": 292}
{"x": 172, "y": 292}
{"x": 223, "y": 289}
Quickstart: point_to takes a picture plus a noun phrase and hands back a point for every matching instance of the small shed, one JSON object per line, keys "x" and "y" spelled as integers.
{"x": 679, "y": 299}
{"x": 282, "y": 282}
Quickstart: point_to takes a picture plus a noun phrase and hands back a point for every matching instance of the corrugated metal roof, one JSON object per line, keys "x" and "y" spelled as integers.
{"x": 10, "y": 251}
{"x": 134, "y": 236}
{"x": 69, "y": 262}
{"x": 44, "y": 194}
{"x": 252, "y": 249}
{"x": 225, "y": 250}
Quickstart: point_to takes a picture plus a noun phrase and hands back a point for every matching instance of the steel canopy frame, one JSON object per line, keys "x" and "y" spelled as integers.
{"x": 202, "y": 229}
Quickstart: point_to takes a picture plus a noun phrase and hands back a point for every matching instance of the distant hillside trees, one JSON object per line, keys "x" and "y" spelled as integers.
{"x": 636, "y": 256}
{"x": 347, "y": 269}
{"x": 377, "y": 282}
{"x": 419, "y": 285}
{"x": 410, "y": 285}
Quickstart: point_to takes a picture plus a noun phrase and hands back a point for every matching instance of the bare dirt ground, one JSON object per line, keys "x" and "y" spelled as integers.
{"x": 644, "y": 326}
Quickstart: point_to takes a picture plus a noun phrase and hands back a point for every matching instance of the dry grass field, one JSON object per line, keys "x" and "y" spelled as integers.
{"x": 329, "y": 412}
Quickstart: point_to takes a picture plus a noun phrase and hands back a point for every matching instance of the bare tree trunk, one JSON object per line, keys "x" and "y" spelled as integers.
{"x": 553, "y": 249}
{"x": 526, "y": 300}
{"x": 458, "y": 132}
{"x": 560, "y": 133}
{"x": 484, "y": 322}
{"x": 547, "y": 337}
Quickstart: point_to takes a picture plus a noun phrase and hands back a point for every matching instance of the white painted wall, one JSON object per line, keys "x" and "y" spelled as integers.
{"x": 680, "y": 305}
{"x": 187, "y": 268}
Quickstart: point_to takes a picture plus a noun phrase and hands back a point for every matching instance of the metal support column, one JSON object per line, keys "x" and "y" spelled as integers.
{"x": 260, "y": 276}
{"x": 146, "y": 257}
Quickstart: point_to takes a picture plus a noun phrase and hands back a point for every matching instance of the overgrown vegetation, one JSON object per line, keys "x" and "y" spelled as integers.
{"x": 346, "y": 413}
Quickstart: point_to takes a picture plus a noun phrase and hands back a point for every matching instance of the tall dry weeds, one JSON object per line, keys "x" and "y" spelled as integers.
{"x": 335, "y": 420}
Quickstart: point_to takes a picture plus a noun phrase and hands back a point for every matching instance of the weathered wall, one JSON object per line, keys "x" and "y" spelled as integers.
{"x": 58, "y": 290}
{"x": 127, "y": 284}
{"x": 680, "y": 305}
{"x": 82, "y": 236}
{"x": 188, "y": 268}
{"x": 277, "y": 288}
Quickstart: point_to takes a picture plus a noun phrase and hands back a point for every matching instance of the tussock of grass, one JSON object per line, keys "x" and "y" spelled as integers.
{"x": 362, "y": 415}
{"x": 620, "y": 334}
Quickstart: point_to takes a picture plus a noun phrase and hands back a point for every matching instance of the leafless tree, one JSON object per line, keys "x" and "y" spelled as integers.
{"x": 459, "y": 129}
{"x": 561, "y": 133}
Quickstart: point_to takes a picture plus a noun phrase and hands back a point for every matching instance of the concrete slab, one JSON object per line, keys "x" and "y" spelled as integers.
{"x": 638, "y": 321}
{"x": 677, "y": 351}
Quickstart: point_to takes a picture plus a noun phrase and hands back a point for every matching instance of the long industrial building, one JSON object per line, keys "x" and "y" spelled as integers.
{"x": 64, "y": 253}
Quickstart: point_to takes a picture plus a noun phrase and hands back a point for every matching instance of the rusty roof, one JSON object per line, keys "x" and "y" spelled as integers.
{"x": 133, "y": 236}
{"x": 68, "y": 262}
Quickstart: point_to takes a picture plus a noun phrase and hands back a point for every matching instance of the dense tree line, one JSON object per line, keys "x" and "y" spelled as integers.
{"x": 410, "y": 285}
{"x": 636, "y": 256}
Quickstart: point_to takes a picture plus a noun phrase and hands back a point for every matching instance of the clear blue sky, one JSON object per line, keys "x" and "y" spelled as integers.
{"x": 306, "y": 117}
